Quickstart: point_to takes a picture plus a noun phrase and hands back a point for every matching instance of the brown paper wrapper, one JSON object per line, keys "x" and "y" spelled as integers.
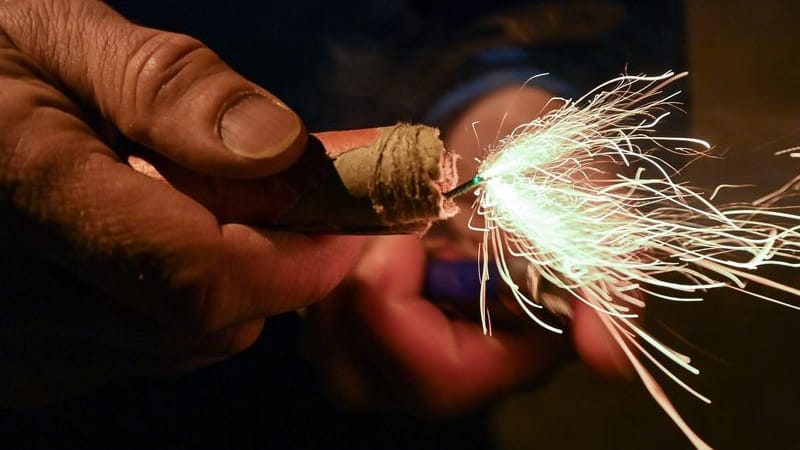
{"x": 373, "y": 181}
{"x": 387, "y": 180}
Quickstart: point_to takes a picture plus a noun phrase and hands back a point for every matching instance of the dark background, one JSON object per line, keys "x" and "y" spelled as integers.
{"x": 328, "y": 60}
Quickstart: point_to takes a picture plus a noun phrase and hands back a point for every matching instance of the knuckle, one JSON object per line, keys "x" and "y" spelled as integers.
{"x": 40, "y": 124}
{"x": 322, "y": 288}
{"x": 159, "y": 71}
{"x": 45, "y": 28}
{"x": 239, "y": 338}
{"x": 308, "y": 289}
{"x": 326, "y": 277}
{"x": 36, "y": 175}
{"x": 24, "y": 16}
{"x": 205, "y": 299}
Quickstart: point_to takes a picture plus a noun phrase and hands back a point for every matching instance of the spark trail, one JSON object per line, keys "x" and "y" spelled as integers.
{"x": 585, "y": 195}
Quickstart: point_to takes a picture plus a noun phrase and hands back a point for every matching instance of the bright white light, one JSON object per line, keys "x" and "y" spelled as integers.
{"x": 584, "y": 195}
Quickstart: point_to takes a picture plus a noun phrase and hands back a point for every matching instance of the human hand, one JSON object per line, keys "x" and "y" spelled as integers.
{"x": 381, "y": 344}
{"x": 482, "y": 124}
{"x": 108, "y": 271}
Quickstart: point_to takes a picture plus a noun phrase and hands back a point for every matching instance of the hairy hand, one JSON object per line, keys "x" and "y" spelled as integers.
{"x": 108, "y": 271}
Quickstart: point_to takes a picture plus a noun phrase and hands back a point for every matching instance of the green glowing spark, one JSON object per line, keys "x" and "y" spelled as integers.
{"x": 464, "y": 187}
{"x": 582, "y": 194}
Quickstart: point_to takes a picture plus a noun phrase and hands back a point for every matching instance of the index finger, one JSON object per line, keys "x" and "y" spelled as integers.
{"x": 451, "y": 365}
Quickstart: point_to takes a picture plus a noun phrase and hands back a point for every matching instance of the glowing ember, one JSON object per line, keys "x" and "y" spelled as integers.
{"x": 584, "y": 194}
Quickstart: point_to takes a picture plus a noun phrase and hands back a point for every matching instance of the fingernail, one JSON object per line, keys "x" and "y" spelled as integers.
{"x": 256, "y": 127}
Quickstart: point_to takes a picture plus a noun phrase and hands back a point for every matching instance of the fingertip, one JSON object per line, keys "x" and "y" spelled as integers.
{"x": 393, "y": 265}
{"x": 343, "y": 250}
{"x": 263, "y": 129}
{"x": 596, "y": 346}
{"x": 281, "y": 271}
{"x": 187, "y": 104}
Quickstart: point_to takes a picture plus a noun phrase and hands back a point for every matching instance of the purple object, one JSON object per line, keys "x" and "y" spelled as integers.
{"x": 458, "y": 281}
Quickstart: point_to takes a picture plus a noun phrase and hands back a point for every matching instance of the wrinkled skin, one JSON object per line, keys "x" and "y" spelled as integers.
{"x": 145, "y": 279}
{"x": 111, "y": 272}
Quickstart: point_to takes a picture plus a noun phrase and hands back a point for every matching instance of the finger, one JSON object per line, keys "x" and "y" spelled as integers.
{"x": 82, "y": 312}
{"x": 331, "y": 341}
{"x": 166, "y": 91}
{"x": 257, "y": 202}
{"x": 595, "y": 345}
{"x": 136, "y": 237}
{"x": 450, "y": 365}
{"x": 128, "y": 332}
{"x": 62, "y": 369}
{"x": 327, "y": 190}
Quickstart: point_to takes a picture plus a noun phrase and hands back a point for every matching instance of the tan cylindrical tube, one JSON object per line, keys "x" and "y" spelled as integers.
{"x": 381, "y": 180}
{"x": 386, "y": 180}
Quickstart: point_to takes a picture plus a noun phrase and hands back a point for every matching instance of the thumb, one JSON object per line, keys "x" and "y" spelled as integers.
{"x": 163, "y": 90}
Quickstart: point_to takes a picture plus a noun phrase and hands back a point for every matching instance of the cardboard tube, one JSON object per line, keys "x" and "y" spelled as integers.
{"x": 374, "y": 181}
{"x": 387, "y": 180}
